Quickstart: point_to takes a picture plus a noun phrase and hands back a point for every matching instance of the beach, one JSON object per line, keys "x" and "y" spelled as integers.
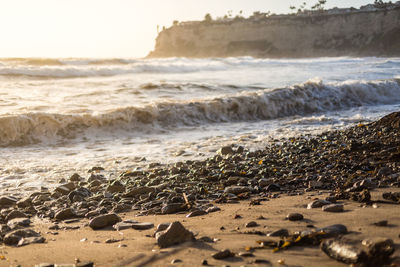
{"x": 303, "y": 187}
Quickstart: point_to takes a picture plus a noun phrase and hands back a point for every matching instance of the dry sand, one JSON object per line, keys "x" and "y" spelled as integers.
{"x": 67, "y": 246}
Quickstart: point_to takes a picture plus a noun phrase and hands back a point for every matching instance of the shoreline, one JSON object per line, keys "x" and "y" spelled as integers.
{"x": 353, "y": 167}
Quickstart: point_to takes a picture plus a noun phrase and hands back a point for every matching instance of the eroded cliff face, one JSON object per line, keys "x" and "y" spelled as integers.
{"x": 375, "y": 33}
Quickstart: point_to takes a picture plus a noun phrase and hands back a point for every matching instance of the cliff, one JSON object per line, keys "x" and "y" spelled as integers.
{"x": 355, "y": 33}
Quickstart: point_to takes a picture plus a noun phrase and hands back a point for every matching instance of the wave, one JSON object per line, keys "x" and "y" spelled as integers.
{"x": 75, "y": 68}
{"x": 311, "y": 97}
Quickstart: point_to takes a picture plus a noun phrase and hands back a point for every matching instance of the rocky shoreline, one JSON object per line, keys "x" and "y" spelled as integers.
{"x": 347, "y": 165}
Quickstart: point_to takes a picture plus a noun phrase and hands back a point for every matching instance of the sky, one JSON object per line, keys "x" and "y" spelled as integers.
{"x": 113, "y": 28}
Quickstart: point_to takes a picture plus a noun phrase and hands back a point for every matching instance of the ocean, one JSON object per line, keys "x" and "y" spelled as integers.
{"x": 65, "y": 116}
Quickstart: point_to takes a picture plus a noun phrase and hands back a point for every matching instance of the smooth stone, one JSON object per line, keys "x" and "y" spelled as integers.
{"x": 122, "y": 226}
{"x": 142, "y": 226}
{"x": 139, "y": 191}
{"x": 333, "y": 208}
{"x": 223, "y": 254}
{"x": 15, "y": 236}
{"x": 236, "y": 189}
{"x": 65, "y": 214}
{"x": 225, "y": 150}
{"x": 7, "y": 201}
{"x": 175, "y": 261}
{"x": 280, "y": 232}
{"x": 273, "y": 188}
{"x": 173, "y": 208}
{"x": 103, "y": 221}
{"x": 30, "y": 240}
{"x": 213, "y": 209}
{"x": 334, "y": 229}
{"x": 318, "y": 204}
{"x": 161, "y": 227}
{"x": 175, "y": 234}
{"x": 251, "y": 224}
{"x": 15, "y": 214}
{"x": 19, "y": 222}
{"x": 295, "y": 217}
{"x": 342, "y": 251}
{"x": 246, "y": 254}
{"x": 196, "y": 213}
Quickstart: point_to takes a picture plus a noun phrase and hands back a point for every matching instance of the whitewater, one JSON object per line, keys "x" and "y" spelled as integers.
{"x": 65, "y": 116}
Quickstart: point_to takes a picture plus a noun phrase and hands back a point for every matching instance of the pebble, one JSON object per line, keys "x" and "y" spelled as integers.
{"x": 294, "y": 217}
{"x": 223, "y": 254}
{"x": 318, "y": 204}
{"x": 213, "y": 209}
{"x": 13, "y": 238}
{"x": 103, "y": 221}
{"x": 236, "y": 190}
{"x": 176, "y": 261}
{"x": 15, "y": 214}
{"x": 381, "y": 223}
{"x": 333, "y": 208}
{"x": 142, "y": 226}
{"x": 196, "y": 213}
{"x": 251, "y": 224}
{"x": 246, "y": 254}
{"x": 122, "y": 226}
{"x": 280, "y": 233}
{"x": 175, "y": 234}
{"x": 65, "y": 214}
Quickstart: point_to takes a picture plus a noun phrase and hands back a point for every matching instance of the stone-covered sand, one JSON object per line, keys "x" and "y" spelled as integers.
{"x": 357, "y": 168}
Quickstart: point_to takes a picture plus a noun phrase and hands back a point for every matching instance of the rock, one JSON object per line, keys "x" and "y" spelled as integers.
{"x": 161, "y": 227}
{"x": 251, "y": 224}
{"x": 392, "y": 196}
{"x": 196, "y": 213}
{"x": 84, "y": 264}
{"x": 115, "y": 189}
{"x": 204, "y": 262}
{"x": 246, "y": 254}
{"x": 44, "y": 265}
{"x": 75, "y": 177}
{"x": 333, "y": 208}
{"x": 342, "y": 251}
{"x": 225, "y": 150}
{"x": 318, "y": 204}
{"x": 30, "y": 240}
{"x": 175, "y": 261}
{"x": 294, "y": 217}
{"x": 103, "y": 221}
{"x": 236, "y": 189}
{"x": 280, "y": 233}
{"x": 334, "y": 230}
{"x": 15, "y": 214}
{"x": 223, "y": 254}
{"x": 15, "y": 236}
{"x": 378, "y": 250}
{"x": 62, "y": 190}
{"x": 273, "y": 188}
{"x": 381, "y": 223}
{"x": 112, "y": 240}
{"x": 79, "y": 194}
{"x": 24, "y": 203}
{"x": 65, "y": 214}
{"x": 142, "y": 226}
{"x": 206, "y": 239}
{"x": 173, "y": 208}
{"x": 212, "y": 209}
{"x": 137, "y": 191}
{"x": 123, "y": 225}
{"x": 18, "y": 222}
{"x": 8, "y": 201}
{"x": 173, "y": 235}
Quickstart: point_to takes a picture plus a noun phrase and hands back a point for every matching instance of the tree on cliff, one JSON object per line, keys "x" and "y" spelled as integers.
{"x": 208, "y": 17}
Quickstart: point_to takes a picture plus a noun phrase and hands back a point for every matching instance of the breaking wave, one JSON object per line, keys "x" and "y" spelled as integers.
{"x": 81, "y": 67}
{"x": 311, "y": 97}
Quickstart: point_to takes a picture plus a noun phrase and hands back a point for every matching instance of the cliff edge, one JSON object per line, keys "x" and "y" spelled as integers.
{"x": 355, "y": 32}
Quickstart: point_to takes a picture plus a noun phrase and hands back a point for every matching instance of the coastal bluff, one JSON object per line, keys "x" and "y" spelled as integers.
{"x": 354, "y": 32}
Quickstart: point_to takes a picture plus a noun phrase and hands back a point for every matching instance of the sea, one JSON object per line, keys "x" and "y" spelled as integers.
{"x": 64, "y": 116}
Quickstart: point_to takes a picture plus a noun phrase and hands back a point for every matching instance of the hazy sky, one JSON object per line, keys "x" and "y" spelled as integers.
{"x": 111, "y": 28}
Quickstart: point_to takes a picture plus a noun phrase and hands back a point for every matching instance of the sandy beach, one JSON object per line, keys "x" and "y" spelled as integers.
{"x": 86, "y": 245}
{"x": 278, "y": 218}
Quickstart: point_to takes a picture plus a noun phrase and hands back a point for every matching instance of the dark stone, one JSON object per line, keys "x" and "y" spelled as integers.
{"x": 173, "y": 235}
{"x": 142, "y": 226}
{"x": 15, "y": 236}
{"x": 223, "y": 254}
{"x": 196, "y": 213}
{"x": 65, "y": 214}
{"x": 103, "y": 221}
{"x": 333, "y": 208}
{"x": 280, "y": 232}
{"x": 295, "y": 217}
